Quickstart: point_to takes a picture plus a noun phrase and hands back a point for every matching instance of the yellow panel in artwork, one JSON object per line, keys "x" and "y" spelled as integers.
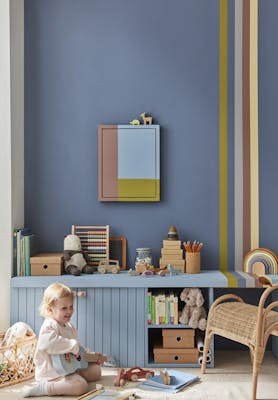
{"x": 138, "y": 189}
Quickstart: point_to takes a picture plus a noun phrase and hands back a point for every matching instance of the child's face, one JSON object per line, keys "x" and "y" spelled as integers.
{"x": 62, "y": 310}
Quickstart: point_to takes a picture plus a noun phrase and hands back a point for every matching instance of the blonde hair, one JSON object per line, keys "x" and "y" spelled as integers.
{"x": 52, "y": 293}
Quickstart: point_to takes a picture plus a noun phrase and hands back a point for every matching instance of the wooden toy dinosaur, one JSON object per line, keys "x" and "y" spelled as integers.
{"x": 135, "y": 122}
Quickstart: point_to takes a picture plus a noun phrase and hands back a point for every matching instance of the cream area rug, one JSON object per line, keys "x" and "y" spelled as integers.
{"x": 231, "y": 379}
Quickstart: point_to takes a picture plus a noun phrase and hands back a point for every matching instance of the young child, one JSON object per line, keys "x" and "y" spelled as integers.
{"x": 58, "y": 336}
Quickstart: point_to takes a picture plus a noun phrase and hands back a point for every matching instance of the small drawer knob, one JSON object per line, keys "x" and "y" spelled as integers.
{"x": 81, "y": 293}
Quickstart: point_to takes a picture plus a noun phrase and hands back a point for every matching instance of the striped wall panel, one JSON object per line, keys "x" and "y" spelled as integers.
{"x": 246, "y": 170}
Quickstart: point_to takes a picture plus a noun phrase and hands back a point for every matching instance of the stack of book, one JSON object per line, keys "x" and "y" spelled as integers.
{"x": 172, "y": 253}
{"x": 162, "y": 309}
{"x": 22, "y": 238}
{"x": 178, "y": 381}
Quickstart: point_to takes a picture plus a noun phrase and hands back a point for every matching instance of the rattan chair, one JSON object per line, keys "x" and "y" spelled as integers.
{"x": 244, "y": 323}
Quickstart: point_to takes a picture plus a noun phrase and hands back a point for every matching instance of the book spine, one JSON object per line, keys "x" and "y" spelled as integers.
{"x": 172, "y": 312}
{"x": 18, "y": 253}
{"x": 22, "y": 256}
{"x": 161, "y": 309}
{"x": 153, "y": 310}
{"x": 27, "y": 240}
{"x": 14, "y": 253}
{"x": 156, "y": 311}
{"x": 149, "y": 308}
{"x": 176, "y": 312}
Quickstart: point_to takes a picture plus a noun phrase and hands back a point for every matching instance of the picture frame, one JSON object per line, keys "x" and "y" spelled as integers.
{"x": 117, "y": 250}
{"x": 129, "y": 163}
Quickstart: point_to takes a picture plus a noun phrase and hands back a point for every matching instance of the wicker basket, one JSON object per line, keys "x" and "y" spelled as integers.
{"x": 16, "y": 361}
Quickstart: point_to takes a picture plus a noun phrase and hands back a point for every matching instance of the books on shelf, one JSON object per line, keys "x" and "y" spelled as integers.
{"x": 178, "y": 381}
{"x": 22, "y": 249}
{"x": 162, "y": 309}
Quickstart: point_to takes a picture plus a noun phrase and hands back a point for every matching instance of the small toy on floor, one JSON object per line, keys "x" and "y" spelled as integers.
{"x": 166, "y": 379}
{"x": 132, "y": 374}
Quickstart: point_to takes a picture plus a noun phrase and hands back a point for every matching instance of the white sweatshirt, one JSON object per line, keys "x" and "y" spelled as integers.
{"x": 53, "y": 339}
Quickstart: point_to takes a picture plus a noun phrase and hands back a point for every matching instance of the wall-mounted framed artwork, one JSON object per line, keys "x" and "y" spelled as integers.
{"x": 129, "y": 163}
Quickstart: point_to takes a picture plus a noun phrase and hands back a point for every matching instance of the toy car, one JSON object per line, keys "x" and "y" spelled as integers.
{"x": 132, "y": 374}
{"x": 109, "y": 266}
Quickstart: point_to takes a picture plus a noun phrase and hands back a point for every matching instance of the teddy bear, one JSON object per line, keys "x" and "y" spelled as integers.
{"x": 193, "y": 312}
{"x": 74, "y": 259}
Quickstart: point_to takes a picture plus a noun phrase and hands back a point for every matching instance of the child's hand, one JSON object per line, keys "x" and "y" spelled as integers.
{"x": 100, "y": 359}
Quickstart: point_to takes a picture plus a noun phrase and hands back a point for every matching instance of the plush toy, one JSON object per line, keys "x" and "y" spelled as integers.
{"x": 74, "y": 260}
{"x": 19, "y": 330}
{"x": 193, "y": 312}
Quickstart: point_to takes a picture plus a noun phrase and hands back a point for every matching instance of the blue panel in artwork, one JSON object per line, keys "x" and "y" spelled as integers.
{"x": 137, "y": 153}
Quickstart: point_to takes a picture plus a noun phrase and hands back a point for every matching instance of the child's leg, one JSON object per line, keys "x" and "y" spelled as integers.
{"x": 91, "y": 373}
{"x": 71, "y": 385}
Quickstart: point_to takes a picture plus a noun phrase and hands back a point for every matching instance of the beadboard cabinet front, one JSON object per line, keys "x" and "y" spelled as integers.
{"x": 109, "y": 320}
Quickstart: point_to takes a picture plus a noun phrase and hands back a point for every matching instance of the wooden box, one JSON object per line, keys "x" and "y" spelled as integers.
{"x": 175, "y": 356}
{"x": 47, "y": 264}
{"x": 178, "y": 338}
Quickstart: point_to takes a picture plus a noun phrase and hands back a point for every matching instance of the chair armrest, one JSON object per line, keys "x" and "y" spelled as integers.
{"x": 263, "y": 312}
{"x": 224, "y": 298}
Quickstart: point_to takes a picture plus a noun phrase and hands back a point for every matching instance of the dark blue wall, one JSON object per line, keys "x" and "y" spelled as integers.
{"x": 106, "y": 61}
{"x": 91, "y": 62}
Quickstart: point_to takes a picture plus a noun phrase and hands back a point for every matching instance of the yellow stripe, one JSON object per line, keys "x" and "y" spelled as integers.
{"x": 232, "y": 280}
{"x": 223, "y": 176}
{"x": 254, "y": 152}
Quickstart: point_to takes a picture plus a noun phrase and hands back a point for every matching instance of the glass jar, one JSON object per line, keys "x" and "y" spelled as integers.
{"x": 143, "y": 256}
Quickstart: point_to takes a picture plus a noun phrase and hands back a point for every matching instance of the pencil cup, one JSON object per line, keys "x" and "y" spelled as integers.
{"x": 193, "y": 262}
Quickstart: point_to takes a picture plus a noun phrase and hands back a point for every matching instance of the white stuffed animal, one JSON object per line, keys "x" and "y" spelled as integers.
{"x": 193, "y": 312}
{"x": 74, "y": 260}
{"x": 19, "y": 330}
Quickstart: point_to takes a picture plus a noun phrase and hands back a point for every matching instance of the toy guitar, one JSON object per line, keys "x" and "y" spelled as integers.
{"x": 65, "y": 364}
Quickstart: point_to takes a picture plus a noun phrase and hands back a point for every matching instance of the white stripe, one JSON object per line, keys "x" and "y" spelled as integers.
{"x": 238, "y": 152}
{"x": 250, "y": 280}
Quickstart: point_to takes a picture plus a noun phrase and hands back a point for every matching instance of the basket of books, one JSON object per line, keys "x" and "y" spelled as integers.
{"x": 16, "y": 360}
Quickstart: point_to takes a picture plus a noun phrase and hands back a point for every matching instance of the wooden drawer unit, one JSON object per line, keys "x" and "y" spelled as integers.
{"x": 47, "y": 264}
{"x": 175, "y": 356}
{"x": 178, "y": 338}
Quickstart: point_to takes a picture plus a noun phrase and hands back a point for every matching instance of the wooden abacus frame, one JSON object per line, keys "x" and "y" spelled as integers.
{"x": 94, "y": 242}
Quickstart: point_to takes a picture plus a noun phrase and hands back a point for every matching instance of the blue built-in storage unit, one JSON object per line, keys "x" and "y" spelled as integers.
{"x": 110, "y": 310}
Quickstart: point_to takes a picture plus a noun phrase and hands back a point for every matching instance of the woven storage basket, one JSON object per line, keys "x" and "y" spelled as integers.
{"x": 16, "y": 361}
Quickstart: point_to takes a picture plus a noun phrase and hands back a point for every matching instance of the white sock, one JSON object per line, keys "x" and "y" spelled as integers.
{"x": 39, "y": 389}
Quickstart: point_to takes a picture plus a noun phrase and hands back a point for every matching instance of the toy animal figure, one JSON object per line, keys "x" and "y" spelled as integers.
{"x": 135, "y": 122}
{"x": 193, "y": 312}
{"x": 146, "y": 120}
{"x": 166, "y": 379}
{"x": 74, "y": 259}
{"x": 19, "y": 330}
